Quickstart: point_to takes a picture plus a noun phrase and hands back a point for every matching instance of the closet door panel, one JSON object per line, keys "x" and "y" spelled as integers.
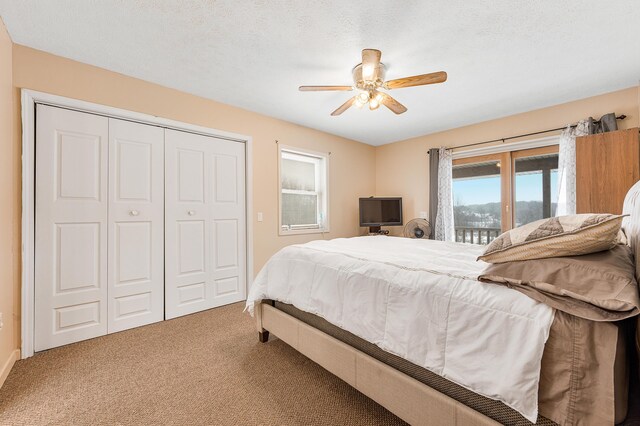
{"x": 71, "y": 227}
{"x": 205, "y": 223}
{"x": 136, "y": 224}
{"x": 190, "y": 173}
{"x": 228, "y": 213}
{"x": 186, "y": 225}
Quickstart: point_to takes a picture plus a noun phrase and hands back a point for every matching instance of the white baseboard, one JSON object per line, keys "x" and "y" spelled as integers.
{"x": 8, "y": 365}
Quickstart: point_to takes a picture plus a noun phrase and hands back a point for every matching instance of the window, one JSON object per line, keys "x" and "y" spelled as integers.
{"x": 535, "y": 185}
{"x": 477, "y": 200}
{"x": 493, "y": 193}
{"x": 303, "y": 191}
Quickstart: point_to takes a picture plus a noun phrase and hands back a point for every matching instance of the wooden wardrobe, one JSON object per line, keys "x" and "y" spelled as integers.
{"x": 607, "y": 165}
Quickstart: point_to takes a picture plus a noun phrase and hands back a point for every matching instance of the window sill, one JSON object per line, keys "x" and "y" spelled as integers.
{"x": 303, "y": 231}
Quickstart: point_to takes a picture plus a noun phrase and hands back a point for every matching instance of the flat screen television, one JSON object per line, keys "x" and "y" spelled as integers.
{"x": 380, "y": 211}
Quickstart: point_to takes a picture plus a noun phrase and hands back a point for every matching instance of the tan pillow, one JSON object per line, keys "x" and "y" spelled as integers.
{"x": 554, "y": 237}
{"x": 597, "y": 286}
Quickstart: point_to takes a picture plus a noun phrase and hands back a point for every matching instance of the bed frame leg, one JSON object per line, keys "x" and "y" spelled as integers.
{"x": 263, "y": 335}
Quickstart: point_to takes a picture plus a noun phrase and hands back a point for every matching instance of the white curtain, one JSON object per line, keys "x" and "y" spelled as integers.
{"x": 567, "y": 168}
{"x": 444, "y": 217}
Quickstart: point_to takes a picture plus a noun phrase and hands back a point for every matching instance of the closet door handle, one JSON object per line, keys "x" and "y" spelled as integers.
{"x": 191, "y": 212}
{"x": 134, "y": 212}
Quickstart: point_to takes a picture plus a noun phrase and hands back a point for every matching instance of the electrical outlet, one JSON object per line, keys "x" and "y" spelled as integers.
{"x": 424, "y": 215}
{"x": 1, "y": 321}
{"x": 260, "y": 217}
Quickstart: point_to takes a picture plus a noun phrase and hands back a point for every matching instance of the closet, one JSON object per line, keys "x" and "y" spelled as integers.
{"x": 134, "y": 224}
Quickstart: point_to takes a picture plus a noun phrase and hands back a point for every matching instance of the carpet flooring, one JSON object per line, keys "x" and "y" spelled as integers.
{"x": 202, "y": 369}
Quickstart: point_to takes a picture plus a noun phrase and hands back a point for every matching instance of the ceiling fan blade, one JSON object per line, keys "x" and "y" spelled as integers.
{"x": 417, "y": 80}
{"x": 345, "y": 106}
{"x": 370, "y": 63}
{"x": 323, "y": 88}
{"x": 392, "y": 104}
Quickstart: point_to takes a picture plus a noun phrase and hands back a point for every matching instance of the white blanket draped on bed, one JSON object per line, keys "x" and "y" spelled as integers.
{"x": 419, "y": 299}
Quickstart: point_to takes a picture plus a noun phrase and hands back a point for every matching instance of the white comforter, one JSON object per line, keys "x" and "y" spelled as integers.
{"x": 419, "y": 299}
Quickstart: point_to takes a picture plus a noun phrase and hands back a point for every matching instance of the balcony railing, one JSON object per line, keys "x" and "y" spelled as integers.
{"x": 471, "y": 235}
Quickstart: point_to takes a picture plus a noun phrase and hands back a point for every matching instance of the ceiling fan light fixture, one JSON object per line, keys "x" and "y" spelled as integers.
{"x": 369, "y": 77}
{"x": 368, "y": 72}
{"x": 363, "y": 97}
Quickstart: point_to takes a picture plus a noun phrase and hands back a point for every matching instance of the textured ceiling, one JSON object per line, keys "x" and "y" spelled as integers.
{"x": 502, "y": 56}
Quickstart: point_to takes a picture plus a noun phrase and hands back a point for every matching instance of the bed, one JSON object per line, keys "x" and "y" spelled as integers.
{"x": 489, "y": 355}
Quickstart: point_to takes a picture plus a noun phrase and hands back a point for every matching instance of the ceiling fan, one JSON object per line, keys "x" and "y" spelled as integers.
{"x": 368, "y": 79}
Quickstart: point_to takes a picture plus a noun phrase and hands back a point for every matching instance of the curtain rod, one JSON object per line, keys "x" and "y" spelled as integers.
{"x": 620, "y": 117}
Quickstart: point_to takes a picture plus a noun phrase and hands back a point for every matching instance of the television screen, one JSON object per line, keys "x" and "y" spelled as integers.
{"x": 380, "y": 211}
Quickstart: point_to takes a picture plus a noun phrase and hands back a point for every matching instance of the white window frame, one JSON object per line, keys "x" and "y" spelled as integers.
{"x": 322, "y": 183}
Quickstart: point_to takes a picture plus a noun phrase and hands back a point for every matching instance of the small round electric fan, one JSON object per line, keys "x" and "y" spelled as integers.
{"x": 417, "y": 228}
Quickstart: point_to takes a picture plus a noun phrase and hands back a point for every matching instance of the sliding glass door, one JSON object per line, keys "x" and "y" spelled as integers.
{"x": 478, "y": 198}
{"x": 493, "y": 193}
{"x": 535, "y": 184}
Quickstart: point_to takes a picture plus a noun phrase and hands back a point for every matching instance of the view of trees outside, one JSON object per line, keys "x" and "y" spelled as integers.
{"x": 477, "y": 210}
{"x": 476, "y": 199}
{"x": 477, "y": 206}
{"x": 299, "y": 209}
{"x": 299, "y": 193}
{"x": 536, "y": 188}
{"x": 529, "y": 200}
{"x": 489, "y": 215}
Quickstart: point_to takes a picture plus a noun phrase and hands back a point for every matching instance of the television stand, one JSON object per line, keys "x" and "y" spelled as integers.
{"x": 376, "y": 230}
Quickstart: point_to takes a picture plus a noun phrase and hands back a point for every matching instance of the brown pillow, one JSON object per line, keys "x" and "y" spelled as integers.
{"x": 598, "y": 286}
{"x": 556, "y": 236}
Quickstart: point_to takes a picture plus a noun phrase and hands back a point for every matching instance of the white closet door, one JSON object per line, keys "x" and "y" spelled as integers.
{"x": 205, "y": 249}
{"x": 227, "y": 214}
{"x": 136, "y": 225}
{"x": 71, "y": 227}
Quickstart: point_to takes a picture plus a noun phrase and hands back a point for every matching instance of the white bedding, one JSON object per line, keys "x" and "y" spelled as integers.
{"x": 419, "y": 299}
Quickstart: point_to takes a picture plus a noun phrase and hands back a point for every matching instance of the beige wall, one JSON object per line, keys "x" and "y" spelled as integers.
{"x": 8, "y": 245}
{"x": 402, "y": 168}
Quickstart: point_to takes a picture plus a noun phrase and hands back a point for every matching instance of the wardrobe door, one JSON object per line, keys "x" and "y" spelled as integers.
{"x": 228, "y": 222}
{"x": 70, "y": 227}
{"x": 136, "y": 225}
{"x": 204, "y": 223}
{"x": 187, "y": 246}
{"x": 607, "y": 165}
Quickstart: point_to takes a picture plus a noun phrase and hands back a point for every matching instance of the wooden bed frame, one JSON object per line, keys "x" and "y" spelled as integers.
{"x": 406, "y": 397}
